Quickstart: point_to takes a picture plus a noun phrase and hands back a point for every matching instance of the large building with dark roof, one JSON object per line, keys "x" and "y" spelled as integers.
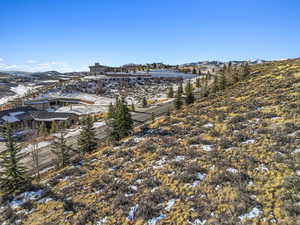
{"x": 28, "y": 117}
{"x": 97, "y": 68}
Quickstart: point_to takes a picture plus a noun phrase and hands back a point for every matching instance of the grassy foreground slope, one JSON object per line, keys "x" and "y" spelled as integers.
{"x": 231, "y": 158}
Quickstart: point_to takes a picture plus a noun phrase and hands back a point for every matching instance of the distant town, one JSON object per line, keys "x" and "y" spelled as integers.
{"x": 30, "y": 101}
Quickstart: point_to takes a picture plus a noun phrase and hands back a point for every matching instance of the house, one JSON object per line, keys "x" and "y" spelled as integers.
{"x": 30, "y": 118}
{"x": 46, "y": 103}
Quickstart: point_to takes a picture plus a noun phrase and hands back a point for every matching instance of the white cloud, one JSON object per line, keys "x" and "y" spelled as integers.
{"x": 1, "y": 59}
{"x": 8, "y": 67}
{"x": 31, "y": 61}
{"x": 33, "y": 66}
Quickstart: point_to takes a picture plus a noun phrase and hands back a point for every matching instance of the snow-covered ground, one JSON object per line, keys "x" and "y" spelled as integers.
{"x": 98, "y": 100}
{"x": 20, "y": 90}
{"x": 83, "y": 109}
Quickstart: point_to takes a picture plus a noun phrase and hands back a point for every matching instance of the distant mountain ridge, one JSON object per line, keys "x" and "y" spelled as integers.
{"x": 220, "y": 63}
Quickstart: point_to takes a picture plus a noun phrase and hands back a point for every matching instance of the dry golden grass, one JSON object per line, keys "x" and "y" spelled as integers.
{"x": 229, "y": 154}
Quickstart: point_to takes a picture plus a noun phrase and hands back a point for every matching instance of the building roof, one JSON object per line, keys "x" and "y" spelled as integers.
{"x": 16, "y": 114}
{"x": 52, "y": 116}
{"x": 48, "y": 100}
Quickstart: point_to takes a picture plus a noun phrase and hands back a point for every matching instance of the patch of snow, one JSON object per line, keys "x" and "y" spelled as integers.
{"x": 153, "y": 221}
{"x": 132, "y": 212}
{"x": 138, "y": 139}
{"x": 229, "y": 149}
{"x": 208, "y": 125}
{"x": 195, "y": 183}
{"x": 102, "y": 221}
{"x": 232, "y": 170}
{"x": 170, "y": 204}
{"x": 139, "y": 181}
{"x": 24, "y": 197}
{"x": 207, "y": 148}
{"x": 45, "y": 200}
{"x": 73, "y": 132}
{"x": 201, "y": 176}
{"x": 99, "y": 124}
{"x": 159, "y": 163}
{"x": 275, "y": 117}
{"x": 298, "y": 172}
{"x": 251, "y": 141}
{"x": 252, "y": 214}
{"x": 262, "y": 167}
{"x": 294, "y": 133}
{"x": 133, "y": 187}
{"x": 198, "y": 222}
{"x": 154, "y": 189}
{"x": 21, "y": 90}
{"x": 179, "y": 158}
{"x": 296, "y": 150}
{"x": 38, "y": 145}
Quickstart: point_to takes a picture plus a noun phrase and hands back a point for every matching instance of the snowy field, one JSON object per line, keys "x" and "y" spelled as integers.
{"x": 98, "y": 100}
{"x": 83, "y": 109}
{"x": 20, "y": 90}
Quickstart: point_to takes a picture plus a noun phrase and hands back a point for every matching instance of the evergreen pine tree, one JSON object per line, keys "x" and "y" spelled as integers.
{"x": 121, "y": 123}
{"x": 152, "y": 117}
{"x": 87, "y": 141}
{"x": 245, "y": 70}
{"x": 170, "y": 92}
{"x": 198, "y": 83}
{"x": 190, "y": 98}
{"x": 180, "y": 88}
{"x": 13, "y": 175}
{"x": 61, "y": 151}
{"x": 215, "y": 86}
{"x": 110, "y": 110}
{"x": 194, "y": 71}
{"x": 168, "y": 112}
{"x": 145, "y": 103}
{"x": 223, "y": 81}
{"x": 178, "y": 100}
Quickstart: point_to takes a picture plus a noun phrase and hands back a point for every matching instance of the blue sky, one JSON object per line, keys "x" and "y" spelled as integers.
{"x": 67, "y": 35}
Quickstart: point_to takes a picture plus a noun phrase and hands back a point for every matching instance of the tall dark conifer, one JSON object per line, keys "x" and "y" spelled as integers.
{"x": 170, "y": 92}
{"x": 190, "y": 98}
{"x": 120, "y": 122}
{"x": 180, "y": 88}
{"x": 13, "y": 175}
{"x": 87, "y": 140}
{"x": 178, "y": 100}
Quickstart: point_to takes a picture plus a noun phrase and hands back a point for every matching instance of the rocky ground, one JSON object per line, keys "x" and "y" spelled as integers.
{"x": 231, "y": 158}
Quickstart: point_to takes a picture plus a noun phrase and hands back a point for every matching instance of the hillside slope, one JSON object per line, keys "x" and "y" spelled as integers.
{"x": 231, "y": 158}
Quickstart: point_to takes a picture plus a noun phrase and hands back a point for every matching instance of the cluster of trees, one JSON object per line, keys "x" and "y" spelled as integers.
{"x": 229, "y": 75}
{"x": 189, "y": 97}
{"x": 14, "y": 176}
{"x": 42, "y": 129}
